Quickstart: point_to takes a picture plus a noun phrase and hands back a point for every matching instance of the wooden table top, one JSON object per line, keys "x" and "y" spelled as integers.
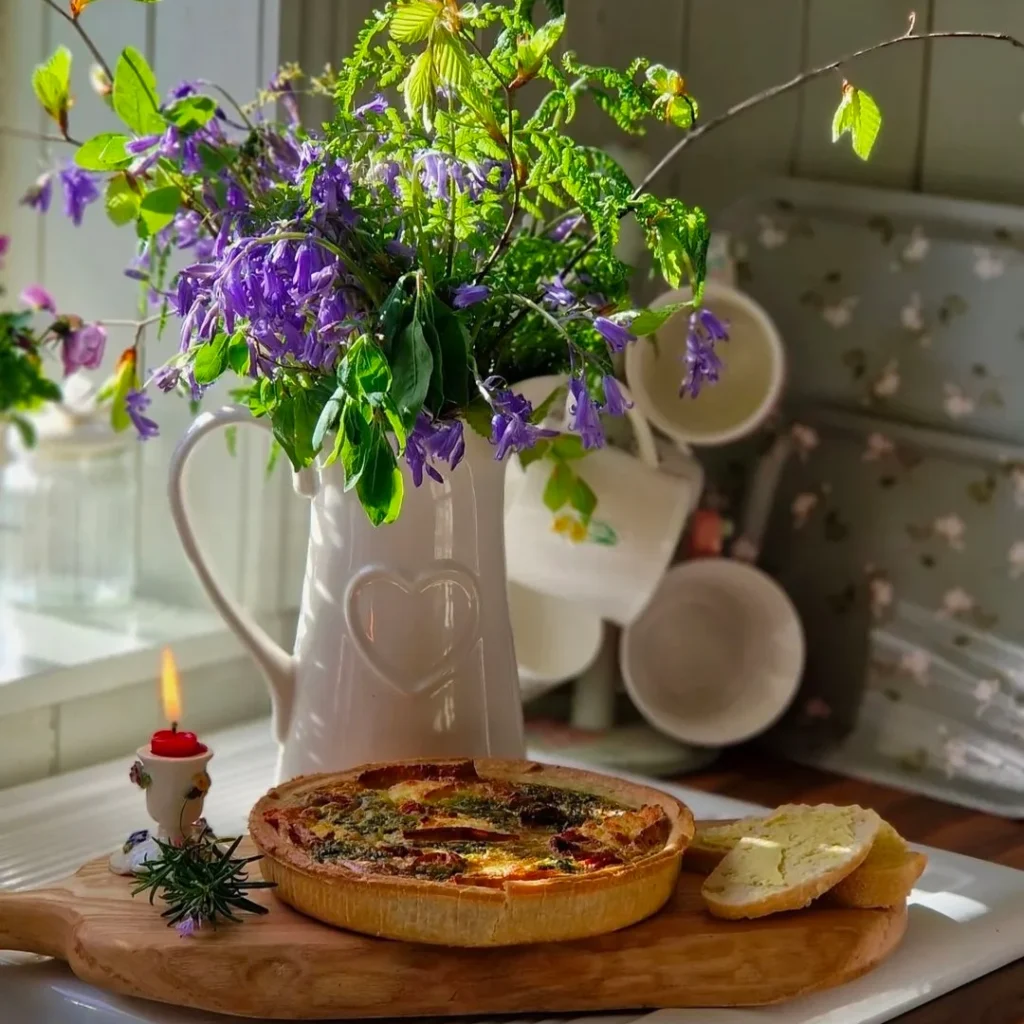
{"x": 997, "y": 998}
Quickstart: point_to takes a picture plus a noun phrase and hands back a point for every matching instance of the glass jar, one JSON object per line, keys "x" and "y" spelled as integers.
{"x": 68, "y": 514}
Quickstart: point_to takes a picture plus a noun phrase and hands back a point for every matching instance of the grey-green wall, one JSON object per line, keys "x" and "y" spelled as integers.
{"x": 953, "y": 108}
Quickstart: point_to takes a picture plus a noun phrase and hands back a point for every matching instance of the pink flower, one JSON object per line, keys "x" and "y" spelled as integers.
{"x": 35, "y": 296}
{"x": 5, "y": 245}
{"x": 951, "y": 529}
{"x": 878, "y": 446}
{"x": 802, "y": 507}
{"x": 882, "y": 594}
{"x": 956, "y": 602}
{"x": 83, "y": 348}
{"x": 916, "y": 665}
{"x": 1016, "y": 559}
{"x": 805, "y": 439}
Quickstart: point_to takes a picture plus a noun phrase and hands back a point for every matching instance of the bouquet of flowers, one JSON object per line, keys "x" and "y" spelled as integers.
{"x": 381, "y": 285}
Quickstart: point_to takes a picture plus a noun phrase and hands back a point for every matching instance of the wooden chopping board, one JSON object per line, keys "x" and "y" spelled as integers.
{"x": 285, "y": 966}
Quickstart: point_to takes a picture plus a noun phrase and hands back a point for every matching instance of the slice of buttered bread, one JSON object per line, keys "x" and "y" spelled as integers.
{"x": 884, "y": 879}
{"x": 788, "y": 859}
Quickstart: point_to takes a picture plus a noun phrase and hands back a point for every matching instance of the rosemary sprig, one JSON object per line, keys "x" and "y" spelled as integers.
{"x": 201, "y": 881}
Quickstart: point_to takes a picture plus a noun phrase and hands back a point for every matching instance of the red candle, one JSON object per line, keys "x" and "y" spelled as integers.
{"x": 170, "y": 742}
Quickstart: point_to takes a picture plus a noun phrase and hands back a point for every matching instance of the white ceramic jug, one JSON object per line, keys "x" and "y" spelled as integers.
{"x": 404, "y": 646}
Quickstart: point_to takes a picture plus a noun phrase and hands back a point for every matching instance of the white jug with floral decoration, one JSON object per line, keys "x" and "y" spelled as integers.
{"x": 404, "y": 645}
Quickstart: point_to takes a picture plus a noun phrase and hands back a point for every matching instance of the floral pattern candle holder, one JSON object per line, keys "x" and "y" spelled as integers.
{"x": 176, "y": 789}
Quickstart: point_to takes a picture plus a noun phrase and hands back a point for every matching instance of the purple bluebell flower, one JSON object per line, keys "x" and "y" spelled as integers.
{"x": 557, "y": 294}
{"x": 469, "y": 295}
{"x": 82, "y": 348}
{"x": 332, "y": 186}
{"x": 166, "y": 377}
{"x": 565, "y": 227}
{"x": 400, "y": 249}
{"x": 40, "y": 194}
{"x": 388, "y": 172}
{"x": 286, "y": 94}
{"x": 434, "y": 173}
{"x": 702, "y": 363}
{"x": 430, "y": 440}
{"x": 615, "y": 402}
{"x": 137, "y": 402}
{"x": 511, "y": 429}
{"x": 617, "y": 336}
{"x": 80, "y": 189}
{"x": 583, "y": 415}
{"x": 35, "y": 296}
{"x": 143, "y": 144}
{"x": 376, "y": 106}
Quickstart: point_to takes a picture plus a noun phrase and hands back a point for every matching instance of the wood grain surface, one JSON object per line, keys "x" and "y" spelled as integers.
{"x": 285, "y": 966}
{"x": 998, "y": 998}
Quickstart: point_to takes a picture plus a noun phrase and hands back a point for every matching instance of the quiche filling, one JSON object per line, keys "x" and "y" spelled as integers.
{"x": 445, "y": 823}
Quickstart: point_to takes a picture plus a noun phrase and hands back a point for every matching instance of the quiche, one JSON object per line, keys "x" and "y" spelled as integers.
{"x": 461, "y": 852}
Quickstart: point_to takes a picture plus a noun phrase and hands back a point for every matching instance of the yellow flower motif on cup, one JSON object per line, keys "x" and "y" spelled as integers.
{"x": 571, "y": 528}
{"x": 200, "y": 786}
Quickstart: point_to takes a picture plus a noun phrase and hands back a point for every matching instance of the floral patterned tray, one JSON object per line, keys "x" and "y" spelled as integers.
{"x": 902, "y": 547}
{"x": 905, "y": 305}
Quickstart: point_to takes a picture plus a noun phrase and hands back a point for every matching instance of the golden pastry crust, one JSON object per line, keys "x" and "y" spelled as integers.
{"x": 479, "y": 905}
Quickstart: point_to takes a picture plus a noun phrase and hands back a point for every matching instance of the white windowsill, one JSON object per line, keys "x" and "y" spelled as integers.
{"x": 49, "y": 657}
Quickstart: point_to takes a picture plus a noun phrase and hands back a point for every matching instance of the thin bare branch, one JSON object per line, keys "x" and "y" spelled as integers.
{"x": 77, "y": 25}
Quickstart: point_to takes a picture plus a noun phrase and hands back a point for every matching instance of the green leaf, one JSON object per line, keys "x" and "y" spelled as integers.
{"x": 51, "y": 82}
{"x": 413, "y": 20}
{"x": 380, "y": 486}
{"x": 540, "y": 414}
{"x": 411, "y": 367}
{"x": 530, "y": 455}
{"x": 329, "y": 417}
{"x": 191, "y": 112}
{"x": 858, "y": 114}
{"x": 451, "y": 62}
{"x": 666, "y": 81}
{"x": 568, "y": 447}
{"x": 419, "y": 86}
{"x": 158, "y": 207}
{"x": 104, "y": 152}
{"x": 651, "y": 320}
{"x": 531, "y": 50}
{"x": 351, "y": 443}
{"x": 238, "y": 354}
{"x": 125, "y": 379}
{"x": 121, "y": 201}
{"x": 231, "y": 440}
{"x": 449, "y": 344}
{"x": 211, "y": 359}
{"x": 134, "y": 97}
{"x": 370, "y": 371}
{"x": 478, "y": 415}
{"x": 583, "y": 499}
{"x": 559, "y": 486}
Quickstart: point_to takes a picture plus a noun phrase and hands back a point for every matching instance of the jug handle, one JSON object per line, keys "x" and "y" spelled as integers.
{"x": 277, "y": 665}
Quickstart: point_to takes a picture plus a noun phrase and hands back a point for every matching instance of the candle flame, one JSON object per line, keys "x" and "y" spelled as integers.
{"x": 170, "y": 687}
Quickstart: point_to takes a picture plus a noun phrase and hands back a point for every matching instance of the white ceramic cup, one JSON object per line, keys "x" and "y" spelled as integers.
{"x": 639, "y": 518}
{"x": 717, "y": 655}
{"x": 751, "y": 381}
{"x": 556, "y": 640}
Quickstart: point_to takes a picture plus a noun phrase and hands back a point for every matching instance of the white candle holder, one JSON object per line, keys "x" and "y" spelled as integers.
{"x": 176, "y": 789}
